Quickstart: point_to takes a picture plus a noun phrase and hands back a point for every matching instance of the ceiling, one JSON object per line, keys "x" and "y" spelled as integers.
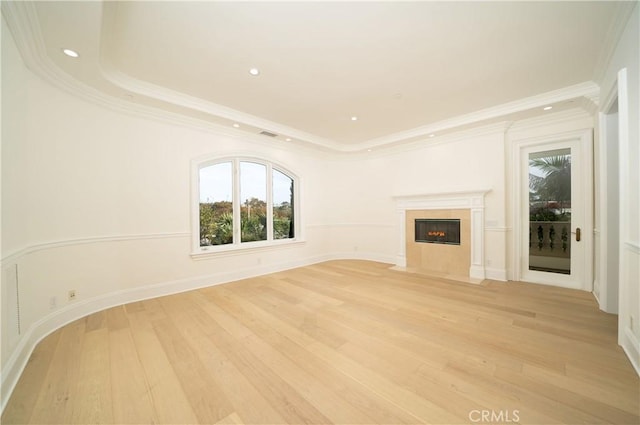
{"x": 405, "y": 69}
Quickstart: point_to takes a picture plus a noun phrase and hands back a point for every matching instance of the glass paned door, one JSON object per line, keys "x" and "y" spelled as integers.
{"x": 554, "y": 212}
{"x": 550, "y": 211}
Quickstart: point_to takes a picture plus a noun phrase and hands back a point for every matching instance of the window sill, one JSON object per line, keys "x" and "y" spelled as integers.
{"x": 244, "y": 248}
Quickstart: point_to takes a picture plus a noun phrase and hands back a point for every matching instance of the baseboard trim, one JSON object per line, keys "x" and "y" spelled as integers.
{"x": 357, "y": 255}
{"x": 631, "y": 347}
{"x": 477, "y": 272}
{"x": 496, "y": 274}
{"x": 48, "y": 324}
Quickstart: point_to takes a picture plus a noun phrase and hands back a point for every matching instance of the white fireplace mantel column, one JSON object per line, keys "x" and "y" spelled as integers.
{"x": 472, "y": 200}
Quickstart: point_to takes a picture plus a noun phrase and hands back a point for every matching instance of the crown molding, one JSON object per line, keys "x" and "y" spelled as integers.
{"x": 587, "y": 89}
{"x": 590, "y": 104}
{"x": 622, "y": 14}
{"x": 192, "y": 103}
{"x": 22, "y": 20}
{"x": 423, "y": 142}
{"x": 24, "y": 24}
{"x": 136, "y": 86}
{"x": 549, "y": 120}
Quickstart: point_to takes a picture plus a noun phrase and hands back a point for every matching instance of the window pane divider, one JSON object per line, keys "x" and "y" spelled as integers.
{"x": 269, "y": 202}
{"x": 237, "y": 221}
{"x": 236, "y": 247}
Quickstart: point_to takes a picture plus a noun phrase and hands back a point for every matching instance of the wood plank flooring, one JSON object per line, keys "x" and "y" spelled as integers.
{"x": 343, "y": 342}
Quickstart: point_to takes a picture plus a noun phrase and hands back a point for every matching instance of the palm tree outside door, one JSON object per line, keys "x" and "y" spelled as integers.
{"x": 550, "y": 211}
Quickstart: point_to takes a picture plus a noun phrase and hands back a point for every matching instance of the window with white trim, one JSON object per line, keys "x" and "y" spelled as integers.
{"x": 243, "y": 202}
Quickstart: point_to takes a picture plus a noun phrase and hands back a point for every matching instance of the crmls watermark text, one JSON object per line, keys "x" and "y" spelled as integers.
{"x": 492, "y": 416}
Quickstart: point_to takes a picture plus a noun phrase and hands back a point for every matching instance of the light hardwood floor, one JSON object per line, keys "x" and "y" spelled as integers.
{"x": 345, "y": 342}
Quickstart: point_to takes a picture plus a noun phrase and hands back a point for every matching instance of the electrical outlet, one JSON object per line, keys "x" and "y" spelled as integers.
{"x": 72, "y": 294}
{"x": 53, "y": 303}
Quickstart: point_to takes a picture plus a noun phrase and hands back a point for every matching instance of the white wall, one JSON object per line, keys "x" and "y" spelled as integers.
{"x": 626, "y": 58}
{"x": 13, "y": 85}
{"x": 98, "y": 201}
{"x": 470, "y": 161}
{"x": 467, "y": 161}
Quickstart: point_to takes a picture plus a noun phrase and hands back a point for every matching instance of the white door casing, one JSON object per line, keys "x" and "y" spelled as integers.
{"x": 580, "y": 142}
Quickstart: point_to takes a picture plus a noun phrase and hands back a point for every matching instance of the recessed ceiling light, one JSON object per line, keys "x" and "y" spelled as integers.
{"x": 354, "y": 118}
{"x": 70, "y": 53}
{"x": 368, "y": 150}
{"x": 432, "y": 135}
{"x": 236, "y": 125}
{"x": 254, "y": 71}
{"x": 287, "y": 139}
{"x": 547, "y": 108}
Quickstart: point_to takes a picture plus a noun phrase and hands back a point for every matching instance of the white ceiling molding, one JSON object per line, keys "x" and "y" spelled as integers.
{"x": 163, "y": 104}
{"x": 172, "y": 97}
{"x": 616, "y": 28}
{"x": 21, "y": 17}
{"x": 138, "y": 87}
{"x": 456, "y": 135}
{"x": 573, "y": 115}
{"x": 587, "y": 89}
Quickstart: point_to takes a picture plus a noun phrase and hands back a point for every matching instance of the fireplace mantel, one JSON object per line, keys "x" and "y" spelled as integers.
{"x": 472, "y": 200}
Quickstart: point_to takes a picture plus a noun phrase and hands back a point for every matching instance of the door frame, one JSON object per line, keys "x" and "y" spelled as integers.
{"x": 607, "y": 278}
{"x": 585, "y": 139}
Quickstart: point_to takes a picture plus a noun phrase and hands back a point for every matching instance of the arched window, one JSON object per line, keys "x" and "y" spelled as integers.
{"x": 241, "y": 203}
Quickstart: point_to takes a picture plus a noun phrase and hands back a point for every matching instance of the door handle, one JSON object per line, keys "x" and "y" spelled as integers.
{"x": 578, "y": 234}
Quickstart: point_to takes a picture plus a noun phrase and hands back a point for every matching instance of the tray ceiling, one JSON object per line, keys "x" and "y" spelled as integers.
{"x": 404, "y": 69}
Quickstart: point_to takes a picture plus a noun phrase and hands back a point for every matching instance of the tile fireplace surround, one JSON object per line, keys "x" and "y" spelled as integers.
{"x": 440, "y": 203}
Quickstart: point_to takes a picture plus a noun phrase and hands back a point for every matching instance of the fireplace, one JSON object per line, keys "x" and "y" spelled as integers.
{"x": 465, "y": 259}
{"x": 439, "y": 231}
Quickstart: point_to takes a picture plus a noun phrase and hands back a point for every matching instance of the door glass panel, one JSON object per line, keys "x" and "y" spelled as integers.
{"x": 550, "y": 211}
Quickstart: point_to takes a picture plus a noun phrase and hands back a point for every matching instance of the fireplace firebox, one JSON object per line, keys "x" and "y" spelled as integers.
{"x": 441, "y": 231}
